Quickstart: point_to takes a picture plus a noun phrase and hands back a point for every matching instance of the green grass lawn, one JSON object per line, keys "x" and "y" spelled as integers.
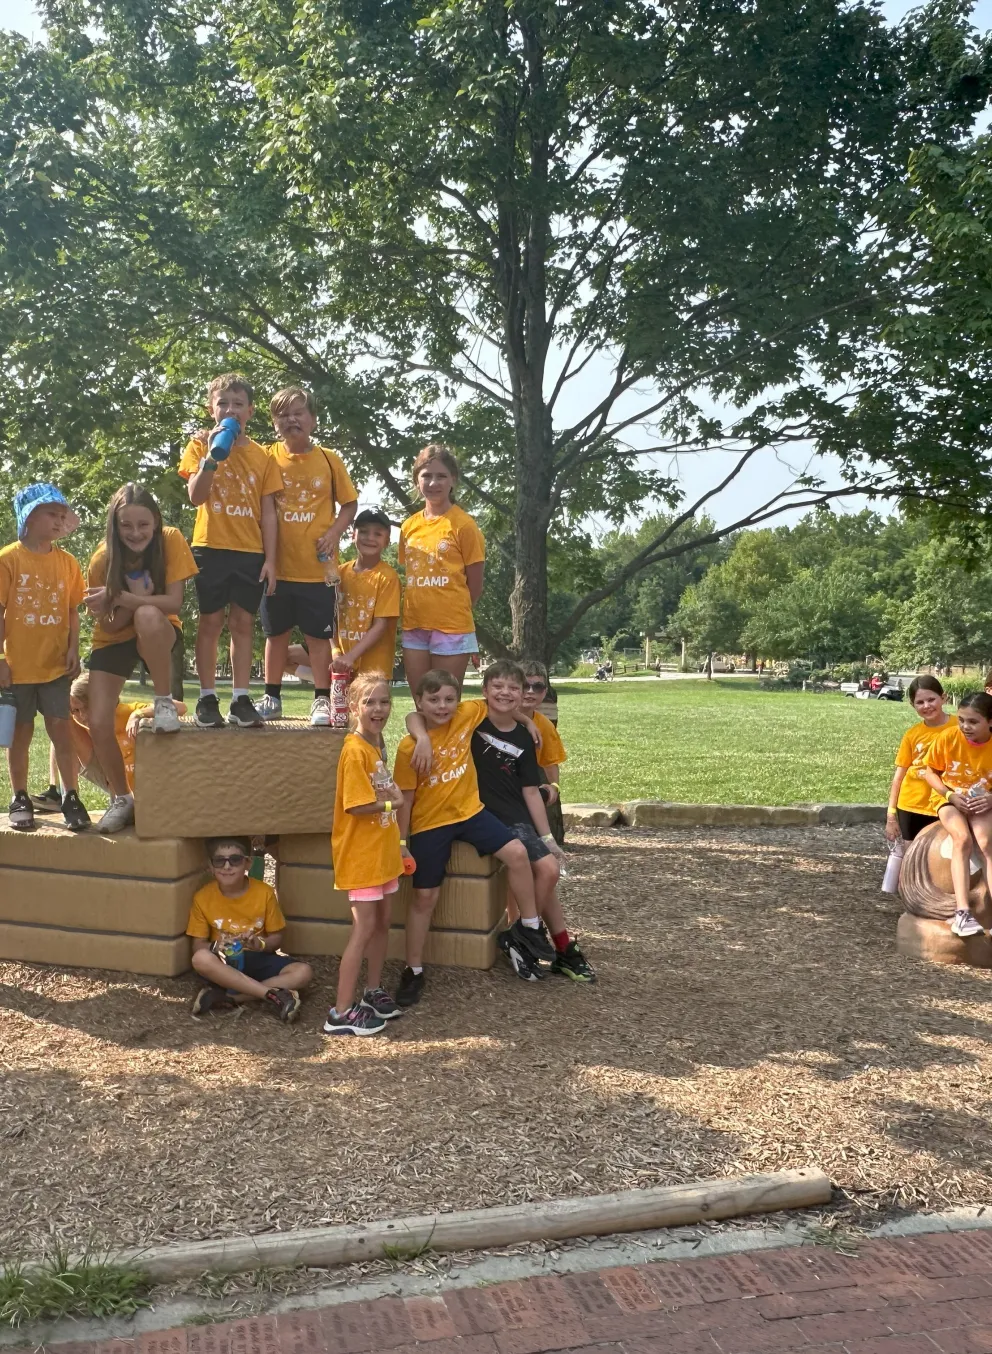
{"x": 701, "y": 742}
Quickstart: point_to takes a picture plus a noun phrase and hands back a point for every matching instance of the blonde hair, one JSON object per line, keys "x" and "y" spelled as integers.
{"x": 532, "y": 668}
{"x": 436, "y": 451}
{"x": 360, "y": 689}
{"x": 80, "y": 689}
{"x": 231, "y": 380}
{"x": 282, "y": 399}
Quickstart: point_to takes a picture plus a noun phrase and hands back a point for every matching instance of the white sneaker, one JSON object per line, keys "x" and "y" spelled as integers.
{"x": 119, "y": 815}
{"x": 165, "y": 719}
{"x": 269, "y": 707}
{"x": 965, "y": 923}
{"x": 320, "y": 712}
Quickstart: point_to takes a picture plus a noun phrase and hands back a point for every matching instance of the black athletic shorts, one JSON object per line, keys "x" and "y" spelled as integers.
{"x": 120, "y": 659}
{"x": 227, "y": 576}
{"x": 912, "y": 824}
{"x": 310, "y": 606}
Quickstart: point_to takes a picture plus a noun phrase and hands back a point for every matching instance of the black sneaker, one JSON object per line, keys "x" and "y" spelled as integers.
{"x": 522, "y": 964}
{"x": 411, "y": 987}
{"x": 379, "y": 1000}
{"x": 74, "y": 812}
{"x": 208, "y": 715}
{"x": 359, "y": 1019}
{"x": 244, "y": 714}
{"x": 210, "y": 998}
{"x": 572, "y": 963}
{"x": 533, "y": 940}
{"x": 20, "y": 811}
{"x": 285, "y": 1003}
{"x": 49, "y": 801}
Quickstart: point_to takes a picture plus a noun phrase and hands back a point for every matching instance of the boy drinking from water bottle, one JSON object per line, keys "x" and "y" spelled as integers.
{"x": 232, "y": 483}
{"x": 315, "y": 507}
{"x": 237, "y": 924}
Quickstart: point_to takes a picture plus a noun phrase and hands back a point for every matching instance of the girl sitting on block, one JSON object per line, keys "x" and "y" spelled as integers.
{"x": 909, "y": 810}
{"x": 367, "y": 854}
{"x": 958, "y": 769}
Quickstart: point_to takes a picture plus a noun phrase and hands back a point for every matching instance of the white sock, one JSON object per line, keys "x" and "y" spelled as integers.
{"x": 532, "y": 922}
{"x": 237, "y": 691}
{"x": 207, "y": 691}
{"x": 415, "y": 968}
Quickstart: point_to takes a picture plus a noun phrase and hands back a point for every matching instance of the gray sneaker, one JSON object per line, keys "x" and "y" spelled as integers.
{"x": 320, "y": 713}
{"x": 965, "y": 923}
{"x": 165, "y": 718}
{"x": 269, "y": 707}
{"x": 120, "y": 814}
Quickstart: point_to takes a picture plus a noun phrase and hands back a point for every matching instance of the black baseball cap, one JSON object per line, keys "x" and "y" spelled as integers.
{"x": 371, "y": 517}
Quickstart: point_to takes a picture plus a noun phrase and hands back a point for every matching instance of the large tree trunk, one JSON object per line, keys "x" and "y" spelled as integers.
{"x": 529, "y": 598}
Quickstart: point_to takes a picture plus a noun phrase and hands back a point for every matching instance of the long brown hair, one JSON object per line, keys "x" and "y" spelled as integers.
{"x": 437, "y": 451}
{"x": 153, "y": 559}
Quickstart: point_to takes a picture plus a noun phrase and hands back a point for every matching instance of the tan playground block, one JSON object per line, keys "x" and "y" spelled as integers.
{"x": 315, "y": 849}
{"x": 466, "y": 903}
{"x": 924, "y": 938}
{"x": 206, "y": 782}
{"x": 457, "y": 949}
{"x": 84, "y": 900}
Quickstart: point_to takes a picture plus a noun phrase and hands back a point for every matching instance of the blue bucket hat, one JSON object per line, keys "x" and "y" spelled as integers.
{"x": 35, "y": 496}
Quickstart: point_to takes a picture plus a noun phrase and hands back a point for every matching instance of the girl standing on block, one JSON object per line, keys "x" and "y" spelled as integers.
{"x": 136, "y": 582}
{"x": 444, "y": 554}
{"x": 367, "y": 855}
{"x": 909, "y": 810}
{"x": 958, "y": 768}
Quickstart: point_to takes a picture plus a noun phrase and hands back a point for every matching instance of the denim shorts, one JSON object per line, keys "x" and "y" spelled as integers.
{"x": 527, "y": 833}
{"x": 432, "y": 849}
{"x": 439, "y": 642}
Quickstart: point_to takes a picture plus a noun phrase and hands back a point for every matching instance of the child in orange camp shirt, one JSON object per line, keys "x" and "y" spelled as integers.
{"x": 441, "y": 805}
{"x": 444, "y": 554}
{"x": 910, "y": 810}
{"x": 234, "y": 545}
{"x": 41, "y": 588}
{"x": 365, "y": 845}
{"x": 958, "y": 769}
{"x": 237, "y": 925}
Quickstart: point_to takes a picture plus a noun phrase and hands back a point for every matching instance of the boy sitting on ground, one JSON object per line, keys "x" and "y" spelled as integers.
{"x": 237, "y": 925}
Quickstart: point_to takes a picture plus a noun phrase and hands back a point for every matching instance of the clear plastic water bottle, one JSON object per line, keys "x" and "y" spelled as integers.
{"x": 8, "y": 716}
{"x": 332, "y": 574}
{"x": 233, "y": 954}
{"x": 220, "y": 442}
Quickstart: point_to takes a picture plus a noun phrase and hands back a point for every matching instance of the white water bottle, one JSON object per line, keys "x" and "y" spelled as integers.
{"x": 339, "y": 700}
{"x": 893, "y": 866}
{"x": 8, "y": 716}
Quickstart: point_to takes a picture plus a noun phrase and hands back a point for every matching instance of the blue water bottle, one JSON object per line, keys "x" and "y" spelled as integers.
{"x": 234, "y": 954}
{"x": 220, "y": 442}
{"x": 8, "y": 716}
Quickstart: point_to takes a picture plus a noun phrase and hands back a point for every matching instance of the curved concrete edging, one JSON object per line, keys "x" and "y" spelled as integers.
{"x": 663, "y": 813}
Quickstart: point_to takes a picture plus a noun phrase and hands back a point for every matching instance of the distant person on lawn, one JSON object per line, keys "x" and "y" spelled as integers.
{"x": 237, "y": 925}
{"x": 41, "y": 588}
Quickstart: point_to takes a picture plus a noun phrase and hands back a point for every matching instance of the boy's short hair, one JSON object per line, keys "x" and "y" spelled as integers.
{"x": 212, "y": 844}
{"x": 282, "y": 399}
{"x": 80, "y": 688}
{"x": 231, "y": 380}
{"x": 372, "y": 517}
{"x": 435, "y": 680}
{"x": 503, "y": 667}
{"x": 530, "y": 667}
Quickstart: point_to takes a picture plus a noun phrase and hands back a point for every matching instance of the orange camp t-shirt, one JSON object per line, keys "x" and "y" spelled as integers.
{"x": 231, "y": 518}
{"x": 255, "y": 913}
{"x": 38, "y": 594}
{"x": 552, "y": 750}
{"x": 958, "y": 763}
{"x": 365, "y": 847}
{"x": 914, "y": 793}
{"x": 435, "y": 552}
{"x": 125, "y": 741}
{"x": 179, "y": 565}
{"x": 313, "y": 485}
{"x": 365, "y": 596}
{"x": 449, "y": 793}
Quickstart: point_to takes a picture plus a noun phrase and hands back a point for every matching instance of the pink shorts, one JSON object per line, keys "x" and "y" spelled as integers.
{"x": 373, "y": 895}
{"x": 439, "y": 642}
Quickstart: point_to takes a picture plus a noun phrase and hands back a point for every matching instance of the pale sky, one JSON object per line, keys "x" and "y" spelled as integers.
{"x": 697, "y": 473}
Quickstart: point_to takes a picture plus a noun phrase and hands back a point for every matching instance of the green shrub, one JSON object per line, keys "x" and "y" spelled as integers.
{"x": 961, "y": 686}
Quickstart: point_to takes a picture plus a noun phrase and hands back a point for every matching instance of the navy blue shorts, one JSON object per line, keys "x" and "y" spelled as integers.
{"x": 265, "y": 964}
{"x": 432, "y": 849}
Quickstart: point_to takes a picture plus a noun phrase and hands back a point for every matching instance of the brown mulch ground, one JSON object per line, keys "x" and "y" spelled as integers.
{"x": 751, "y": 1015}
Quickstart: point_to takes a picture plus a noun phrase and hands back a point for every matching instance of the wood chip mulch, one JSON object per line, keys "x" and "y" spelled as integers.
{"x": 751, "y": 1015}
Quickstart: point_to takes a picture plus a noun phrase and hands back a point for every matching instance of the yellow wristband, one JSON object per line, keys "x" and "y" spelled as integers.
{"x": 402, "y": 841}
{"x": 890, "y": 813}
{"x": 554, "y": 784}
{"x": 388, "y": 804}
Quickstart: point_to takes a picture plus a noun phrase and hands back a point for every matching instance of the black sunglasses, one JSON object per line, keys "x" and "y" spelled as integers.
{"x": 535, "y": 686}
{"x": 219, "y": 862}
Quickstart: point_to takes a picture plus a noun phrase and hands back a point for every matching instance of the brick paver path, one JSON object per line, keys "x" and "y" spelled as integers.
{"x": 914, "y": 1295}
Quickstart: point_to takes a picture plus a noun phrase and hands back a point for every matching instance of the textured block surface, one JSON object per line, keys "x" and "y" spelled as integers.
{"x": 457, "y": 949}
{"x": 205, "y": 782}
{"x": 95, "y": 903}
{"x": 923, "y": 938}
{"x": 53, "y": 847}
{"x": 466, "y": 903}
{"x": 93, "y": 949}
{"x": 315, "y": 849}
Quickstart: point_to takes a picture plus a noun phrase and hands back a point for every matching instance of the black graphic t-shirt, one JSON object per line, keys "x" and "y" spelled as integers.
{"x": 505, "y": 763}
